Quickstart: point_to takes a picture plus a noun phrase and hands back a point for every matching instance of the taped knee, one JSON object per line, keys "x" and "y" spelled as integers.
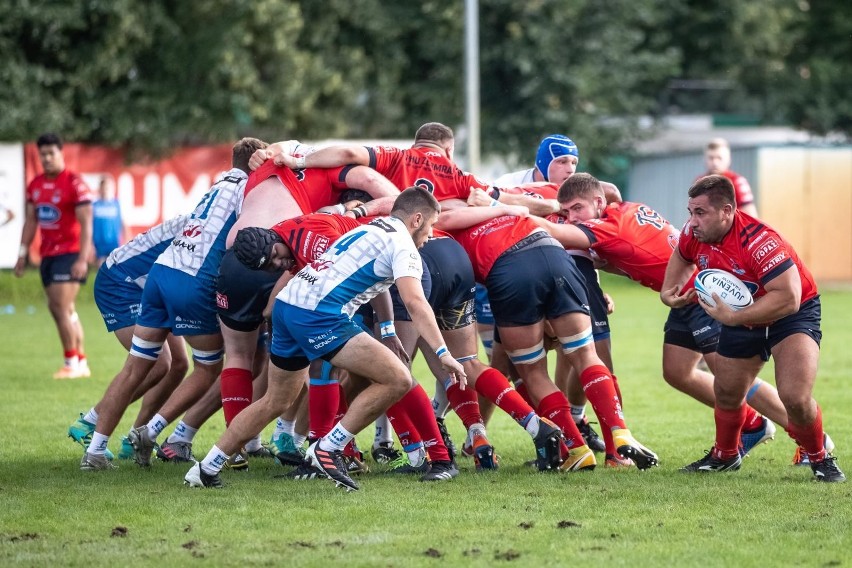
{"x": 529, "y": 355}
{"x": 143, "y": 349}
{"x": 574, "y": 342}
{"x": 208, "y": 357}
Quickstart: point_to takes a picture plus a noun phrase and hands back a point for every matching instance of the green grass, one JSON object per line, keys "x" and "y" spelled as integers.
{"x": 767, "y": 514}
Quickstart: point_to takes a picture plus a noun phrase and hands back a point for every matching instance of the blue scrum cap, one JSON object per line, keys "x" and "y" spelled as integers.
{"x": 552, "y": 147}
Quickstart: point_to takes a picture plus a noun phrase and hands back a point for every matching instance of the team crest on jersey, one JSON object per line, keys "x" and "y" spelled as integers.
{"x": 192, "y": 231}
{"x": 703, "y": 262}
{"x": 221, "y": 301}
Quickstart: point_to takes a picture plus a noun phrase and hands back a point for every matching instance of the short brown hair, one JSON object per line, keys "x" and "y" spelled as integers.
{"x": 415, "y": 200}
{"x": 243, "y": 150}
{"x": 433, "y": 132}
{"x": 718, "y": 189}
{"x": 579, "y": 185}
{"x": 717, "y": 143}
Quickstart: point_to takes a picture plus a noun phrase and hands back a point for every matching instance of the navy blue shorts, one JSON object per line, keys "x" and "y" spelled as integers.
{"x": 692, "y": 328}
{"x": 57, "y": 269}
{"x": 483, "y": 306}
{"x": 597, "y": 302}
{"x": 453, "y": 284}
{"x": 539, "y": 281}
{"x": 744, "y": 343}
{"x": 242, "y": 293}
{"x": 118, "y": 300}
{"x": 400, "y": 313}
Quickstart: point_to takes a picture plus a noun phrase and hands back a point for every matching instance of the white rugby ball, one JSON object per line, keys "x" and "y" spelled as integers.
{"x": 729, "y": 288}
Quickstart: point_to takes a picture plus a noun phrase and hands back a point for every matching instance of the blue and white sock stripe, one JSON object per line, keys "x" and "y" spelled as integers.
{"x": 529, "y": 355}
{"x": 575, "y": 342}
{"x": 143, "y": 349}
{"x": 208, "y": 357}
{"x": 412, "y": 447}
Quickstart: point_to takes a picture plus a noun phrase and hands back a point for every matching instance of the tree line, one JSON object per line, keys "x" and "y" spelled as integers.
{"x": 152, "y": 75}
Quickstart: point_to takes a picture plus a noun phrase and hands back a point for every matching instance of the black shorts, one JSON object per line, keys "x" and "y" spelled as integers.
{"x": 692, "y": 328}
{"x": 242, "y": 293}
{"x": 400, "y": 313}
{"x": 453, "y": 292}
{"x": 744, "y": 342}
{"x": 597, "y": 302}
{"x": 57, "y": 269}
{"x": 536, "y": 281}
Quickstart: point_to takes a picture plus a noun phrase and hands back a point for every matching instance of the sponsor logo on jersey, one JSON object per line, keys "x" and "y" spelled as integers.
{"x": 765, "y": 249}
{"x": 319, "y": 246}
{"x": 47, "y": 214}
{"x": 181, "y": 244}
{"x": 319, "y": 264}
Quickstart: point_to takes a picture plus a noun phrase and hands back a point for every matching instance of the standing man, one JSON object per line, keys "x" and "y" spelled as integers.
{"x": 783, "y": 322}
{"x": 717, "y": 159}
{"x": 107, "y": 225}
{"x": 59, "y": 203}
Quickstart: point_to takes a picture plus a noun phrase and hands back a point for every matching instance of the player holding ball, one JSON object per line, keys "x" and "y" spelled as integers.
{"x": 782, "y": 322}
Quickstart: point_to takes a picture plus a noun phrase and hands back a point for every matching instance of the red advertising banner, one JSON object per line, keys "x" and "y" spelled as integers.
{"x": 148, "y": 192}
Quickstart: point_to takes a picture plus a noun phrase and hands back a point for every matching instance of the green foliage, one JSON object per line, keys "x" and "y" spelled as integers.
{"x": 153, "y": 75}
{"x": 767, "y": 514}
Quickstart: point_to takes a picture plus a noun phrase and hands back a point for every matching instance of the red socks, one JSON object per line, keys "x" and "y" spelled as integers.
{"x": 323, "y": 403}
{"x": 494, "y": 386}
{"x": 555, "y": 408}
{"x": 601, "y": 391}
{"x": 729, "y": 425}
{"x": 465, "y": 404}
{"x": 753, "y": 420}
{"x": 235, "y": 385}
{"x": 417, "y": 405}
{"x": 811, "y": 437}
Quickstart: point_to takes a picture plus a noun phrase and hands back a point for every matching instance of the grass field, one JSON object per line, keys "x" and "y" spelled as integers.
{"x": 767, "y": 514}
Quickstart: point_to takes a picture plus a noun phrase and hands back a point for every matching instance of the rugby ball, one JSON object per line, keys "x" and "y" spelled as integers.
{"x": 729, "y": 288}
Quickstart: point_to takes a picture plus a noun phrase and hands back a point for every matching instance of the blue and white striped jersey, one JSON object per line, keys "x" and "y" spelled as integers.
{"x": 357, "y": 267}
{"x": 198, "y": 248}
{"x": 132, "y": 261}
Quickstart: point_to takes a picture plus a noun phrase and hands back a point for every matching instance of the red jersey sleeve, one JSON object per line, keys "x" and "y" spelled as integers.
{"x": 82, "y": 191}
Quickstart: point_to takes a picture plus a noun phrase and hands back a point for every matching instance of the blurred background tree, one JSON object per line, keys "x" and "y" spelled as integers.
{"x": 153, "y": 75}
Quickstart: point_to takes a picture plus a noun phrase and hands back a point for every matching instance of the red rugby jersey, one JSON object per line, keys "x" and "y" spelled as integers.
{"x": 751, "y": 250}
{"x": 538, "y": 190}
{"x": 55, "y": 201}
{"x": 312, "y": 188}
{"x": 308, "y": 236}
{"x": 485, "y": 242}
{"x": 635, "y": 239}
{"x": 426, "y": 168}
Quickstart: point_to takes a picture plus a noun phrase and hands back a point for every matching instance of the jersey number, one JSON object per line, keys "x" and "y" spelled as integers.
{"x": 346, "y": 241}
{"x": 207, "y": 201}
